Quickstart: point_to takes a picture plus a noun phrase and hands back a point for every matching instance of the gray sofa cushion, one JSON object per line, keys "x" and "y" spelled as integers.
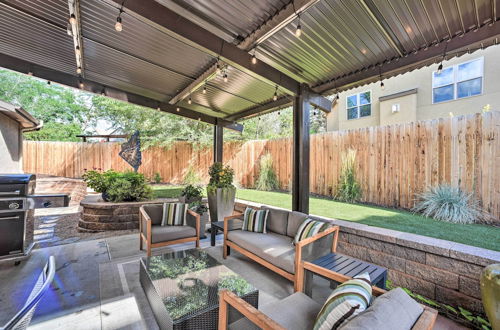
{"x": 295, "y": 219}
{"x": 394, "y": 310}
{"x": 295, "y": 312}
{"x": 277, "y": 220}
{"x": 274, "y": 248}
{"x": 155, "y": 212}
{"x": 169, "y": 233}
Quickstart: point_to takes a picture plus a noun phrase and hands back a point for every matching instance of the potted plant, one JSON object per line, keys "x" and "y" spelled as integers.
{"x": 191, "y": 194}
{"x": 220, "y": 191}
{"x": 202, "y": 210}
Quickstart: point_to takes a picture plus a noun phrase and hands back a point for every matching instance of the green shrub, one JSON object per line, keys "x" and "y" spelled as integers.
{"x": 157, "y": 178}
{"x": 348, "y": 188}
{"x": 451, "y": 204}
{"x": 267, "y": 177}
{"x": 220, "y": 176}
{"x": 119, "y": 186}
{"x": 191, "y": 192}
{"x": 198, "y": 207}
{"x": 192, "y": 176}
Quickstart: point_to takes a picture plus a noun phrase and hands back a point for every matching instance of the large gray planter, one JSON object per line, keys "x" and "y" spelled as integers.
{"x": 221, "y": 203}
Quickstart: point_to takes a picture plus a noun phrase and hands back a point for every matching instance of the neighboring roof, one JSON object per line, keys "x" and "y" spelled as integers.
{"x": 344, "y": 44}
{"x": 25, "y": 120}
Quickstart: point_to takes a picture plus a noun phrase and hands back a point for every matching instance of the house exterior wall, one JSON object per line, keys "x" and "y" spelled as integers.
{"x": 11, "y": 143}
{"x": 420, "y": 106}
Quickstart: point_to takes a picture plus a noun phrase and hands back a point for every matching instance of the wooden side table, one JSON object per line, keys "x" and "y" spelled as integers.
{"x": 346, "y": 267}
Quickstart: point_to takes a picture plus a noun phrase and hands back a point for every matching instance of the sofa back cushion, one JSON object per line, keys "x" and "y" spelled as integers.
{"x": 392, "y": 311}
{"x": 295, "y": 219}
{"x": 255, "y": 220}
{"x": 155, "y": 212}
{"x": 347, "y": 300}
{"x": 174, "y": 214}
{"x": 277, "y": 220}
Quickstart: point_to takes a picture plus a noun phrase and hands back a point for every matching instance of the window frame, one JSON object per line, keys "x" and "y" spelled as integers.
{"x": 358, "y": 99}
{"x": 455, "y": 81}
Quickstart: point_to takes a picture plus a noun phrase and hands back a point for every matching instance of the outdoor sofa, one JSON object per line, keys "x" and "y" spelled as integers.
{"x": 390, "y": 310}
{"x": 155, "y": 235}
{"x": 274, "y": 249}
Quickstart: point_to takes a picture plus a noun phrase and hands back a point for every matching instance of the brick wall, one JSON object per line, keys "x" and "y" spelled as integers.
{"x": 445, "y": 271}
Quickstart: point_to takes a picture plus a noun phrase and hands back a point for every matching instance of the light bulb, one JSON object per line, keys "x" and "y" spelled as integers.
{"x": 275, "y": 96}
{"x": 204, "y": 89}
{"x": 298, "y": 31}
{"x": 178, "y": 109}
{"x": 279, "y": 113}
{"x": 72, "y": 19}
{"x": 48, "y": 82}
{"x": 78, "y": 70}
{"x": 440, "y": 68}
{"x": 30, "y": 73}
{"x": 217, "y": 69}
{"x": 225, "y": 77}
{"x": 118, "y": 25}
{"x": 103, "y": 92}
{"x": 80, "y": 84}
{"x": 77, "y": 50}
{"x": 337, "y": 97}
{"x": 382, "y": 86}
{"x": 158, "y": 108}
{"x": 254, "y": 59}
{"x": 190, "y": 101}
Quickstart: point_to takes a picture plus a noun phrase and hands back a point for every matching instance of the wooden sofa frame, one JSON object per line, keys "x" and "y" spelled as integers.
{"x": 295, "y": 278}
{"x": 425, "y": 321}
{"x": 143, "y": 215}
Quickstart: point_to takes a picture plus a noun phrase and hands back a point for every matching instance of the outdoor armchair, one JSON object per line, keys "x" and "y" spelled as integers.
{"x": 155, "y": 235}
{"x": 274, "y": 249}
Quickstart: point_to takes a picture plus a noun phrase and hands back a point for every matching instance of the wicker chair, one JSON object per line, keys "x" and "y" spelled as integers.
{"x": 23, "y": 318}
{"x": 154, "y": 235}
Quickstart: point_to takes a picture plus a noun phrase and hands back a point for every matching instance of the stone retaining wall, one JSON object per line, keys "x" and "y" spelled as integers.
{"x": 444, "y": 271}
{"x": 103, "y": 216}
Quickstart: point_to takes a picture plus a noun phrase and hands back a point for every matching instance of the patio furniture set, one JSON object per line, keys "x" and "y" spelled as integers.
{"x": 192, "y": 290}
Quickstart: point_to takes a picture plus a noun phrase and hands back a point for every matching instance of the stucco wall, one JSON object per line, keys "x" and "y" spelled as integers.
{"x": 407, "y": 110}
{"x": 10, "y": 146}
{"x": 422, "y": 80}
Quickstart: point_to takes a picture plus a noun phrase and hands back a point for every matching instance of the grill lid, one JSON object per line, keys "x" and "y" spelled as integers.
{"x": 16, "y": 178}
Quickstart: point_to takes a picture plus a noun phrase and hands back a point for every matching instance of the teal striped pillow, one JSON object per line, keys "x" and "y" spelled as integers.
{"x": 309, "y": 228}
{"x": 174, "y": 214}
{"x": 255, "y": 220}
{"x": 347, "y": 300}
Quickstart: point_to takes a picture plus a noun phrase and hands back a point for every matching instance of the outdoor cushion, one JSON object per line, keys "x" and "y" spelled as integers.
{"x": 394, "y": 310}
{"x": 170, "y": 233}
{"x": 174, "y": 214}
{"x": 295, "y": 219}
{"x": 295, "y": 312}
{"x": 274, "y": 248}
{"x": 309, "y": 228}
{"x": 277, "y": 220}
{"x": 155, "y": 212}
{"x": 347, "y": 300}
{"x": 255, "y": 220}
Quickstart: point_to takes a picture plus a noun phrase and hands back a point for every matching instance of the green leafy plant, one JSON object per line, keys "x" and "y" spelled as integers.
{"x": 451, "y": 204}
{"x": 220, "y": 176}
{"x": 192, "y": 176}
{"x": 192, "y": 192}
{"x": 348, "y": 188}
{"x": 157, "y": 178}
{"x": 198, "y": 207}
{"x": 459, "y": 314}
{"x": 119, "y": 186}
{"x": 267, "y": 176}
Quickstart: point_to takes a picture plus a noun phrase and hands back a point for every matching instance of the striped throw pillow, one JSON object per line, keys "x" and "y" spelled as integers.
{"x": 309, "y": 228}
{"x": 174, "y": 214}
{"x": 255, "y": 220}
{"x": 347, "y": 300}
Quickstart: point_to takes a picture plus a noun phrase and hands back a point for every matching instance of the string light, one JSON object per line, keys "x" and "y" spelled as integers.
{"x": 72, "y": 19}
{"x": 254, "y": 59}
{"x": 158, "y": 108}
{"x": 190, "y": 101}
{"x": 178, "y": 109}
{"x": 298, "y": 30}
{"x": 218, "y": 68}
{"x": 103, "y": 92}
{"x": 337, "y": 97}
{"x": 77, "y": 50}
{"x": 440, "y": 68}
{"x": 48, "y": 82}
{"x": 30, "y": 73}
{"x": 225, "y": 76}
{"x": 79, "y": 70}
{"x": 275, "y": 96}
{"x": 118, "y": 24}
{"x": 205, "y": 88}
{"x": 80, "y": 83}
{"x": 382, "y": 86}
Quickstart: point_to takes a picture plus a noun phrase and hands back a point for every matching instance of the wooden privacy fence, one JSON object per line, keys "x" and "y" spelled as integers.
{"x": 393, "y": 162}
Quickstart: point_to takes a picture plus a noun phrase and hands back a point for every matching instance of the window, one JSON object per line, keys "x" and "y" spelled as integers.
{"x": 458, "y": 81}
{"x": 359, "y": 105}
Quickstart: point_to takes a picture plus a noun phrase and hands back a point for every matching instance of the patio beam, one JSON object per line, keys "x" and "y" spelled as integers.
{"x": 482, "y": 36}
{"x": 301, "y": 152}
{"x": 175, "y": 25}
{"x": 218, "y": 142}
{"x": 268, "y": 107}
{"x": 19, "y": 65}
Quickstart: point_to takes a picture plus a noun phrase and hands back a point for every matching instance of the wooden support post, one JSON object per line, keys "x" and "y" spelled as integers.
{"x": 300, "y": 176}
{"x": 218, "y": 142}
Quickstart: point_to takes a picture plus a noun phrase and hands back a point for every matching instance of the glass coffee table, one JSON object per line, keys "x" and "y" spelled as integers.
{"x": 183, "y": 289}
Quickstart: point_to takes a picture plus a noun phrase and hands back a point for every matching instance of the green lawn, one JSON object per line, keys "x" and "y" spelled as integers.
{"x": 476, "y": 235}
